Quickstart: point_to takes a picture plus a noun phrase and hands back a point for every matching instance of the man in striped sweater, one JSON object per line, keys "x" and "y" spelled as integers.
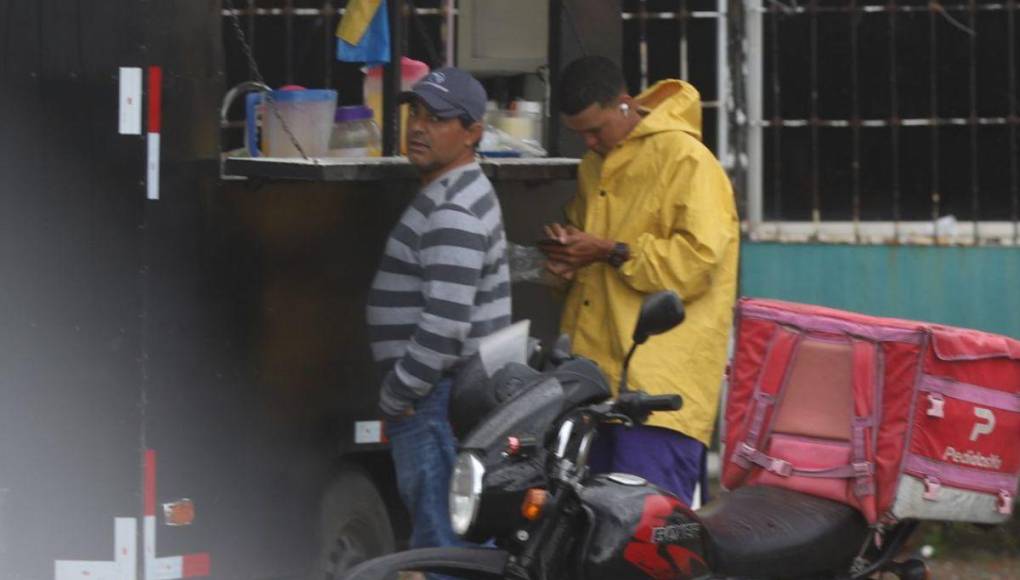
{"x": 442, "y": 285}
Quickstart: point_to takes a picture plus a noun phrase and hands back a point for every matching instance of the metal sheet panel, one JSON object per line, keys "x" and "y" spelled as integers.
{"x": 70, "y": 211}
{"x": 220, "y": 326}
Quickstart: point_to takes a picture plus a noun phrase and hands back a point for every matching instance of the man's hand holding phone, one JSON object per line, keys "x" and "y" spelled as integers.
{"x": 572, "y": 247}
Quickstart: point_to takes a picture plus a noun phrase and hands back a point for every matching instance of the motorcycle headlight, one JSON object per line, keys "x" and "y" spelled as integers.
{"x": 465, "y": 491}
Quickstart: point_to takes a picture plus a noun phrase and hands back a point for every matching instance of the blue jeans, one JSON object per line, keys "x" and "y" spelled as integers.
{"x": 424, "y": 451}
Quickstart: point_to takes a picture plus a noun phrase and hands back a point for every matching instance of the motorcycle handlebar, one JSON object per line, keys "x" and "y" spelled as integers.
{"x": 638, "y": 405}
{"x": 664, "y": 402}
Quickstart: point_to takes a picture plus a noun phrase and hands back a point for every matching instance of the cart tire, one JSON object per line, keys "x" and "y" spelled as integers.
{"x": 354, "y": 525}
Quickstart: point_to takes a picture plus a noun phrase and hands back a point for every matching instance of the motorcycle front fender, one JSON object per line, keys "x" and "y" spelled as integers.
{"x": 468, "y": 563}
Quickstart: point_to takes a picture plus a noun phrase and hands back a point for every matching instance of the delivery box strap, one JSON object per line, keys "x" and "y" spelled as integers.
{"x": 784, "y": 468}
{"x": 772, "y": 378}
{"x": 933, "y": 492}
{"x": 976, "y": 394}
{"x": 828, "y": 324}
{"x": 867, "y": 386}
{"x": 978, "y": 479}
{"x": 865, "y": 484}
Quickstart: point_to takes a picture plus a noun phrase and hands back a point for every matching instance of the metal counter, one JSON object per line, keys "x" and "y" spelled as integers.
{"x": 391, "y": 168}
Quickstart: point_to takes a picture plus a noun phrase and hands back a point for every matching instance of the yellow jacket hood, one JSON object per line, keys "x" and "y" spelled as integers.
{"x": 671, "y": 105}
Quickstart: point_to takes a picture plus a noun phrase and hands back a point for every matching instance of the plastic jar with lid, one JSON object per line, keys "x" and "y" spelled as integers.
{"x": 523, "y": 121}
{"x": 355, "y": 133}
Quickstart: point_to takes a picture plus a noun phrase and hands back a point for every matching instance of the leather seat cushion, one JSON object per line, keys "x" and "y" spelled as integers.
{"x": 764, "y": 531}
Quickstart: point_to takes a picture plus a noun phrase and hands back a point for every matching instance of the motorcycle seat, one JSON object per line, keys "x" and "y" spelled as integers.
{"x": 763, "y": 531}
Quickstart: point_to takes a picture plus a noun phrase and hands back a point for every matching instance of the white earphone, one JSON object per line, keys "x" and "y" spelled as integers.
{"x": 625, "y": 108}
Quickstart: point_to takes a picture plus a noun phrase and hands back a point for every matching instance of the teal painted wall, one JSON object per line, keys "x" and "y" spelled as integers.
{"x": 973, "y": 287}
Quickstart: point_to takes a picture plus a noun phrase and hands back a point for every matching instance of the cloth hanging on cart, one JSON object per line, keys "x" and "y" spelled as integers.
{"x": 363, "y": 34}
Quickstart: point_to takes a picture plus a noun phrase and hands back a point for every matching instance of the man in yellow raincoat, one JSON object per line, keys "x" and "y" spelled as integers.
{"x": 654, "y": 211}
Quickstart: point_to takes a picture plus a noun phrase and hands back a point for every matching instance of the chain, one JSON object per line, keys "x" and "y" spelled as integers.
{"x": 254, "y": 69}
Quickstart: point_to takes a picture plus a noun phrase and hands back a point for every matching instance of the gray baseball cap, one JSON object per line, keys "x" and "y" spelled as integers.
{"x": 449, "y": 92}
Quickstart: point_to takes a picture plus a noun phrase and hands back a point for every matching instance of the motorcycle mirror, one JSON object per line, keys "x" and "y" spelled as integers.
{"x": 660, "y": 312}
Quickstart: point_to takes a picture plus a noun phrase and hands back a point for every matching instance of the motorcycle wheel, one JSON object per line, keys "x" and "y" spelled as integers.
{"x": 464, "y": 563}
{"x": 354, "y": 524}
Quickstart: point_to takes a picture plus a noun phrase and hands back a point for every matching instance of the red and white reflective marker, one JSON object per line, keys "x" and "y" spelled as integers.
{"x": 130, "y": 118}
{"x": 125, "y": 557}
{"x": 125, "y": 562}
{"x": 152, "y": 139}
{"x": 169, "y": 567}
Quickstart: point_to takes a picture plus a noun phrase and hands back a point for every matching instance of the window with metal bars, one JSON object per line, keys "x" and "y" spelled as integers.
{"x": 901, "y": 112}
{"x": 681, "y": 39}
{"x": 294, "y": 42}
{"x": 877, "y": 120}
{"x": 871, "y": 116}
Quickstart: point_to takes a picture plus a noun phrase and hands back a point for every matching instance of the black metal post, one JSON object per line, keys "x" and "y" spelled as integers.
{"x": 1014, "y": 182}
{"x": 855, "y": 117}
{"x": 552, "y": 126}
{"x": 816, "y": 199}
{"x": 737, "y": 58}
{"x": 288, "y": 20}
{"x": 391, "y": 80}
{"x": 894, "y": 118}
{"x": 975, "y": 193}
{"x": 251, "y": 32}
{"x": 329, "y": 39}
{"x": 936, "y": 196}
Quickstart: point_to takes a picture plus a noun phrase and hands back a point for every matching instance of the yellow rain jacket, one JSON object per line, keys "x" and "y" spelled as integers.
{"x": 662, "y": 192}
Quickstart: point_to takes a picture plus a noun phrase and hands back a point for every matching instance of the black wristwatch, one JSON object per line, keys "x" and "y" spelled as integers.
{"x": 618, "y": 255}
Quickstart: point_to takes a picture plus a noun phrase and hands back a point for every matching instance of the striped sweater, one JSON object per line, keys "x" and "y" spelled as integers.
{"x": 442, "y": 285}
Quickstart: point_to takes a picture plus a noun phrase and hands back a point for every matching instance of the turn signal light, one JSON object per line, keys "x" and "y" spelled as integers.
{"x": 534, "y": 501}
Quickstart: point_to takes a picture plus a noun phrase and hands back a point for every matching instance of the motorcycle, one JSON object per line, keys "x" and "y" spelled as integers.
{"x": 522, "y": 485}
